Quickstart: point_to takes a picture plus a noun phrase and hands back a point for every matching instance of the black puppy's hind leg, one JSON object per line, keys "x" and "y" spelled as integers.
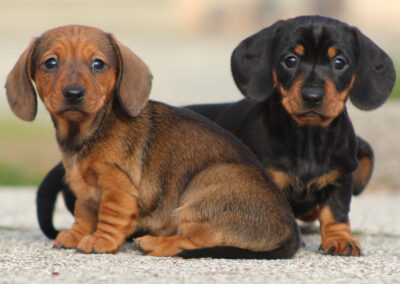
{"x": 362, "y": 174}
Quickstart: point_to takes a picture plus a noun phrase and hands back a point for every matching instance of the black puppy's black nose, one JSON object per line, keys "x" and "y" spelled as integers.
{"x": 73, "y": 94}
{"x": 312, "y": 97}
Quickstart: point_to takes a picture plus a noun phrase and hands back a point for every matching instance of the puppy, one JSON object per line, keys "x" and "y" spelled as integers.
{"x": 296, "y": 76}
{"x": 139, "y": 165}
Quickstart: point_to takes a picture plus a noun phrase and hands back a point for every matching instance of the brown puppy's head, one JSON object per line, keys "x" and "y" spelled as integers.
{"x": 76, "y": 70}
{"x": 315, "y": 64}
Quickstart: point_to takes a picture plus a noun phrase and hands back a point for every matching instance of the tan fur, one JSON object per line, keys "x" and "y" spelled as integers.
{"x": 324, "y": 180}
{"x": 337, "y": 235}
{"x": 334, "y": 101}
{"x": 299, "y": 50}
{"x": 332, "y": 52}
{"x": 283, "y": 180}
{"x": 139, "y": 165}
{"x": 291, "y": 99}
{"x": 363, "y": 172}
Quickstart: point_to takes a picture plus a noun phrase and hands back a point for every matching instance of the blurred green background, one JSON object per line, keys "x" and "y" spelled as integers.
{"x": 186, "y": 43}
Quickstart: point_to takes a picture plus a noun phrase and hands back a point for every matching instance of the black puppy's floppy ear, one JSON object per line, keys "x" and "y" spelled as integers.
{"x": 375, "y": 74}
{"x": 133, "y": 79}
{"x": 20, "y": 90}
{"x": 252, "y": 67}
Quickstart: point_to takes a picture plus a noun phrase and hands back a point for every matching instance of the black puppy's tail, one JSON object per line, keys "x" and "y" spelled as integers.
{"x": 46, "y": 197}
{"x": 365, "y": 157}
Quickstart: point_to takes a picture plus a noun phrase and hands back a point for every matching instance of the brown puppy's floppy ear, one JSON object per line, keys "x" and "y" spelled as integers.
{"x": 133, "y": 80}
{"x": 375, "y": 74}
{"x": 251, "y": 65}
{"x": 21, "y": 92}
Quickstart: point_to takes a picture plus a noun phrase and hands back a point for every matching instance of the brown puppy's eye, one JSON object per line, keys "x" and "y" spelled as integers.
{"x": 339, "y": 63}
{"x": 51, "y": 64}
{"x": 290, "y": 62}
{"x": 98, "y": 65}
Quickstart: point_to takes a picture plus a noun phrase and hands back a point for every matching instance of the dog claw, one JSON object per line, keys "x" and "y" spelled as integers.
{"x": 59, "y": 246}
{"x": 332, "y": 251}
{"x": 351, "y": 249}
{"x": 138, "y": 247}
{"x": 359, "y": 251}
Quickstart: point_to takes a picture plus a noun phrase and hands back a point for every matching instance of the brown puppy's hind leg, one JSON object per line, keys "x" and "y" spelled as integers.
{"x": 163, "y": 246}
{"x": 230, "y": 206}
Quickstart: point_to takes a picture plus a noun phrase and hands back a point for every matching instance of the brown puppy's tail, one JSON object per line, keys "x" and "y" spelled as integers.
{"x": 46, "y": 197}
{"x": 365, "y": 157}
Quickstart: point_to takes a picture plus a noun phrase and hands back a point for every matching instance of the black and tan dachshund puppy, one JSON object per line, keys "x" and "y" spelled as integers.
{"x": 296, "y": 76}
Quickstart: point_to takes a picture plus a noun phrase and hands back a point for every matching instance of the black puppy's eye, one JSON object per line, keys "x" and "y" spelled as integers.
{"x": 51, "y": 64}
{"x": 98, "y": 65}
{"x": 290, "y": 62}
{"x": 339, "y": 63}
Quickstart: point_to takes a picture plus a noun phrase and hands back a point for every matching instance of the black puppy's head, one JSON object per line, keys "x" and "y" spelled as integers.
{"x": 315, "y": 63}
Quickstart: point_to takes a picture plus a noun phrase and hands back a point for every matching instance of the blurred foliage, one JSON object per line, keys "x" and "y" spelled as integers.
{"x": 15, "y": 175}
{"x": 396, "y": 89}
{"x": 27, "y": 150}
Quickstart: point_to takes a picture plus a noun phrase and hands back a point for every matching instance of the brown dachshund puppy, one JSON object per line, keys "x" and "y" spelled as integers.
{"x": 138, "y": 165}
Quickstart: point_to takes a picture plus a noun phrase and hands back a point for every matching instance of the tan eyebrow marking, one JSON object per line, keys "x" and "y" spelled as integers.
{"x": 332, "y": 52}
{"x": 299, "y": 50}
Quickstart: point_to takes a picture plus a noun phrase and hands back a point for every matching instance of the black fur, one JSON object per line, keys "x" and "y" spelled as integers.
{"x": 46, "y": 198}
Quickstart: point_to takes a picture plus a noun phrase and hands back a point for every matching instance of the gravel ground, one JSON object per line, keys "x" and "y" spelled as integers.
{"x": 27, "y": 256}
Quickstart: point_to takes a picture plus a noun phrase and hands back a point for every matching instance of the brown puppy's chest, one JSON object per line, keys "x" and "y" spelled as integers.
{"x": 86, "y": 176}
{"x": 83, "y": 178}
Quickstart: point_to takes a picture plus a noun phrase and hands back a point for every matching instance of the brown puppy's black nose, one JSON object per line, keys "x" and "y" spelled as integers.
{"x": 73, "y": 94}
{"x": 312, "y": 97}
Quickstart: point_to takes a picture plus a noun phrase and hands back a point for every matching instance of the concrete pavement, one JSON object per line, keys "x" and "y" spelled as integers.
{"x": 26, "y": 256}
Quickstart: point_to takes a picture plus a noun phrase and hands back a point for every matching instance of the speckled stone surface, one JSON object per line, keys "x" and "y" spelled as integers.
{"x": 26, "y": 256}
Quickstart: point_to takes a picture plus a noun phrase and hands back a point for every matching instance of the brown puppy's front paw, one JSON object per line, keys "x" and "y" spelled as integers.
{"x": 66, "y": 239}
{"x": 95, "y": 244}
{"x": 341, "y": 247}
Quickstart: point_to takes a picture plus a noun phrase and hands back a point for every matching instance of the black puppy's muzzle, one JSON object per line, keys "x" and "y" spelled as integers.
{"x": 312, "y": 97}
{"x": 74, "y": 94}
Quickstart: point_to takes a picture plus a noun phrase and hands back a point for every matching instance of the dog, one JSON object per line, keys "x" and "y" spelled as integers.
{"x": 140, "y": 165}
{"x": 296, "y": 76}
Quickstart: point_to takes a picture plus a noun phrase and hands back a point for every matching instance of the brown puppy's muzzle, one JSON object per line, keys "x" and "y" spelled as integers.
{"x": 73, "y": 95}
